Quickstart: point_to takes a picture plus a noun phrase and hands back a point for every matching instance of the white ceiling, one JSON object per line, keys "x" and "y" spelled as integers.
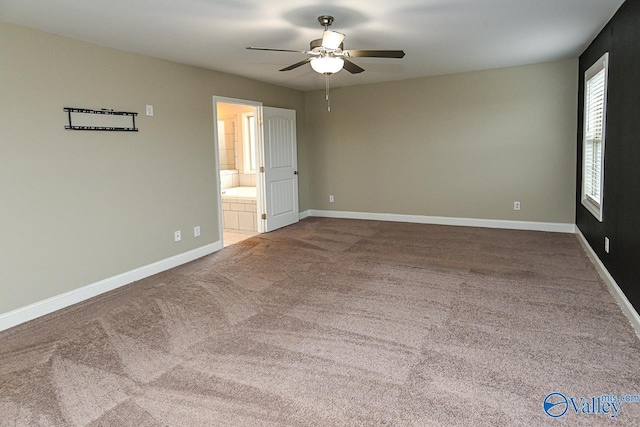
{"x": 438, "y": 36}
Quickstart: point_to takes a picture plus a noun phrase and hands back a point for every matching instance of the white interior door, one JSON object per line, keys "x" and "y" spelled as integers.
{"x": 280, "y": 168}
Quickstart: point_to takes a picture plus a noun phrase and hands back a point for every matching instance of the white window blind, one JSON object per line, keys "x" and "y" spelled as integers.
{"x": 595, "y": 103}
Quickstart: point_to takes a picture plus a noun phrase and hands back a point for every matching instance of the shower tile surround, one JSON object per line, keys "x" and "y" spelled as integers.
{"x": 229, "y": 178}
{"x": 232, "y": 178}
{"x": 229, "y": 152}
{"x": 227, "y": 144}
{"x": 238, "y": 214}
{"x": 247, "y": 179}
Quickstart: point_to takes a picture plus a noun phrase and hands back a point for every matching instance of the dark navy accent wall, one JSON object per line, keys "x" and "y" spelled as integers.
{"x": 621, "y": 205}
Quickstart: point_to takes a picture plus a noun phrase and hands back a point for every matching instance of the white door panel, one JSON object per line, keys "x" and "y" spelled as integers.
{"x": 280, "y": 174}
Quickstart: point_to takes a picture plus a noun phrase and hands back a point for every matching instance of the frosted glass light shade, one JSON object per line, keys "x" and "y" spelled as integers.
{"x": 327, "y": 64}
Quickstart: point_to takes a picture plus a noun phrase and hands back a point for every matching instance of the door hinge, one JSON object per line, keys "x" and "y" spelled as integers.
{"x": 260, "y": 122}
{"x": 262, "y": 169}
{"x": 264, "y": 216}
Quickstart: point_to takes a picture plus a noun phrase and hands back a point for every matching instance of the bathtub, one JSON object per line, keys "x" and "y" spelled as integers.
{"x": 239, "y": 193}
{"x": 239, "y": 209}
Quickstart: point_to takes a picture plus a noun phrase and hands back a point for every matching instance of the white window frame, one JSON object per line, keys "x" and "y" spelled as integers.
{"x": 249, "y": 143}
{"x": 593, "y": 200}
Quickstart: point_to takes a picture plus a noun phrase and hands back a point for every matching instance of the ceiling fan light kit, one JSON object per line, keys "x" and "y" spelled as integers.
{"x": 328, "y": 54}
{"x": 327, "y": 64}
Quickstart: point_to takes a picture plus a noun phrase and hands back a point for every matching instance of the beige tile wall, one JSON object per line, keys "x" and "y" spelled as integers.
{"x": 239, "y": 214}
{"x": 247, "y": 179}
{"x": 226, "y": 145}
{"x": 229, "y": 180}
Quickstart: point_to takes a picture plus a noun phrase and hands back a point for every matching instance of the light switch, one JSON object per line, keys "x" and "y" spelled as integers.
{"x": 149, "y": 110}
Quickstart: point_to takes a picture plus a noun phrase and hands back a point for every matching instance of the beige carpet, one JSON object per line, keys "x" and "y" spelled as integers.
{"x": 335, "y": 322}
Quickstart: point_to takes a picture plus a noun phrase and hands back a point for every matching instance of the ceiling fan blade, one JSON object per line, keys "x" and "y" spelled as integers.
{"x": 332, "y": 39}
{"x": 296, "y": 65}
{"x": 351, "y": 67}
{"x": 355, "y": 53}
{"x": 275, "y": 50}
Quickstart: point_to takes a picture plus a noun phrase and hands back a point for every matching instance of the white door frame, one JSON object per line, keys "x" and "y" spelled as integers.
{"x": 259, "y": 152}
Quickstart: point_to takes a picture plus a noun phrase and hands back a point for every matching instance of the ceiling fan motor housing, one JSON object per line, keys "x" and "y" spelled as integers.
{"x": 317, "y": 44}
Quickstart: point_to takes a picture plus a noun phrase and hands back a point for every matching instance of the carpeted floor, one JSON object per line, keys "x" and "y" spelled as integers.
{"x": 335, "y": 322}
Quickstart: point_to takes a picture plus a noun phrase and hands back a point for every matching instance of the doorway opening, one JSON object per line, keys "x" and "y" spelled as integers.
{"x": 256, "y": 154}
{"x": 238, "y": 146}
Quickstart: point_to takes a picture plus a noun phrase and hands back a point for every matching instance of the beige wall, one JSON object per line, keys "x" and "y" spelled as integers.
{"x": 465, "y": 145}
{"x": 78, "y": 207}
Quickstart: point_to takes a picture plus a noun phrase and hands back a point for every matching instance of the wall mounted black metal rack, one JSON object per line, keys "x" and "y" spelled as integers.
{"x": 104, "y": 114}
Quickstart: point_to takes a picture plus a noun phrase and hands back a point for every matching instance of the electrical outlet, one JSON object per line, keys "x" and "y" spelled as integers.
{"x": 331, "y": 198}
{"x": 149, "y": 110}
{"x": 516, "y": 206}
{"x": 177, "y": 236}
{"x": 606, "y": 245}
{"x": 196, "y": 231}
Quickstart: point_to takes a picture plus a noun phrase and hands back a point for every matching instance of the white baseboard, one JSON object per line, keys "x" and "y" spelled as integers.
{"x": 38, "y": 309}
{"x": 49, "y": 305}
{"x": 303, "y": 215}
{"x": 463, "y": 222}
{"x": 612, "y": 286}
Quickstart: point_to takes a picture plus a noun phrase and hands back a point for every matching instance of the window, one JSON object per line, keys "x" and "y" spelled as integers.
{"x": 249, "y": 132}
{"x": 595, "y": 107}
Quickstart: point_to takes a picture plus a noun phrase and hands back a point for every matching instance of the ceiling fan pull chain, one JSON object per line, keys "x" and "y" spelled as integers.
{"x": 327, "y": 92}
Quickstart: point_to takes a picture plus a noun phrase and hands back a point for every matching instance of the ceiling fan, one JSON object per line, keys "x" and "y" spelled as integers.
{"x": 328, "y": 56}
